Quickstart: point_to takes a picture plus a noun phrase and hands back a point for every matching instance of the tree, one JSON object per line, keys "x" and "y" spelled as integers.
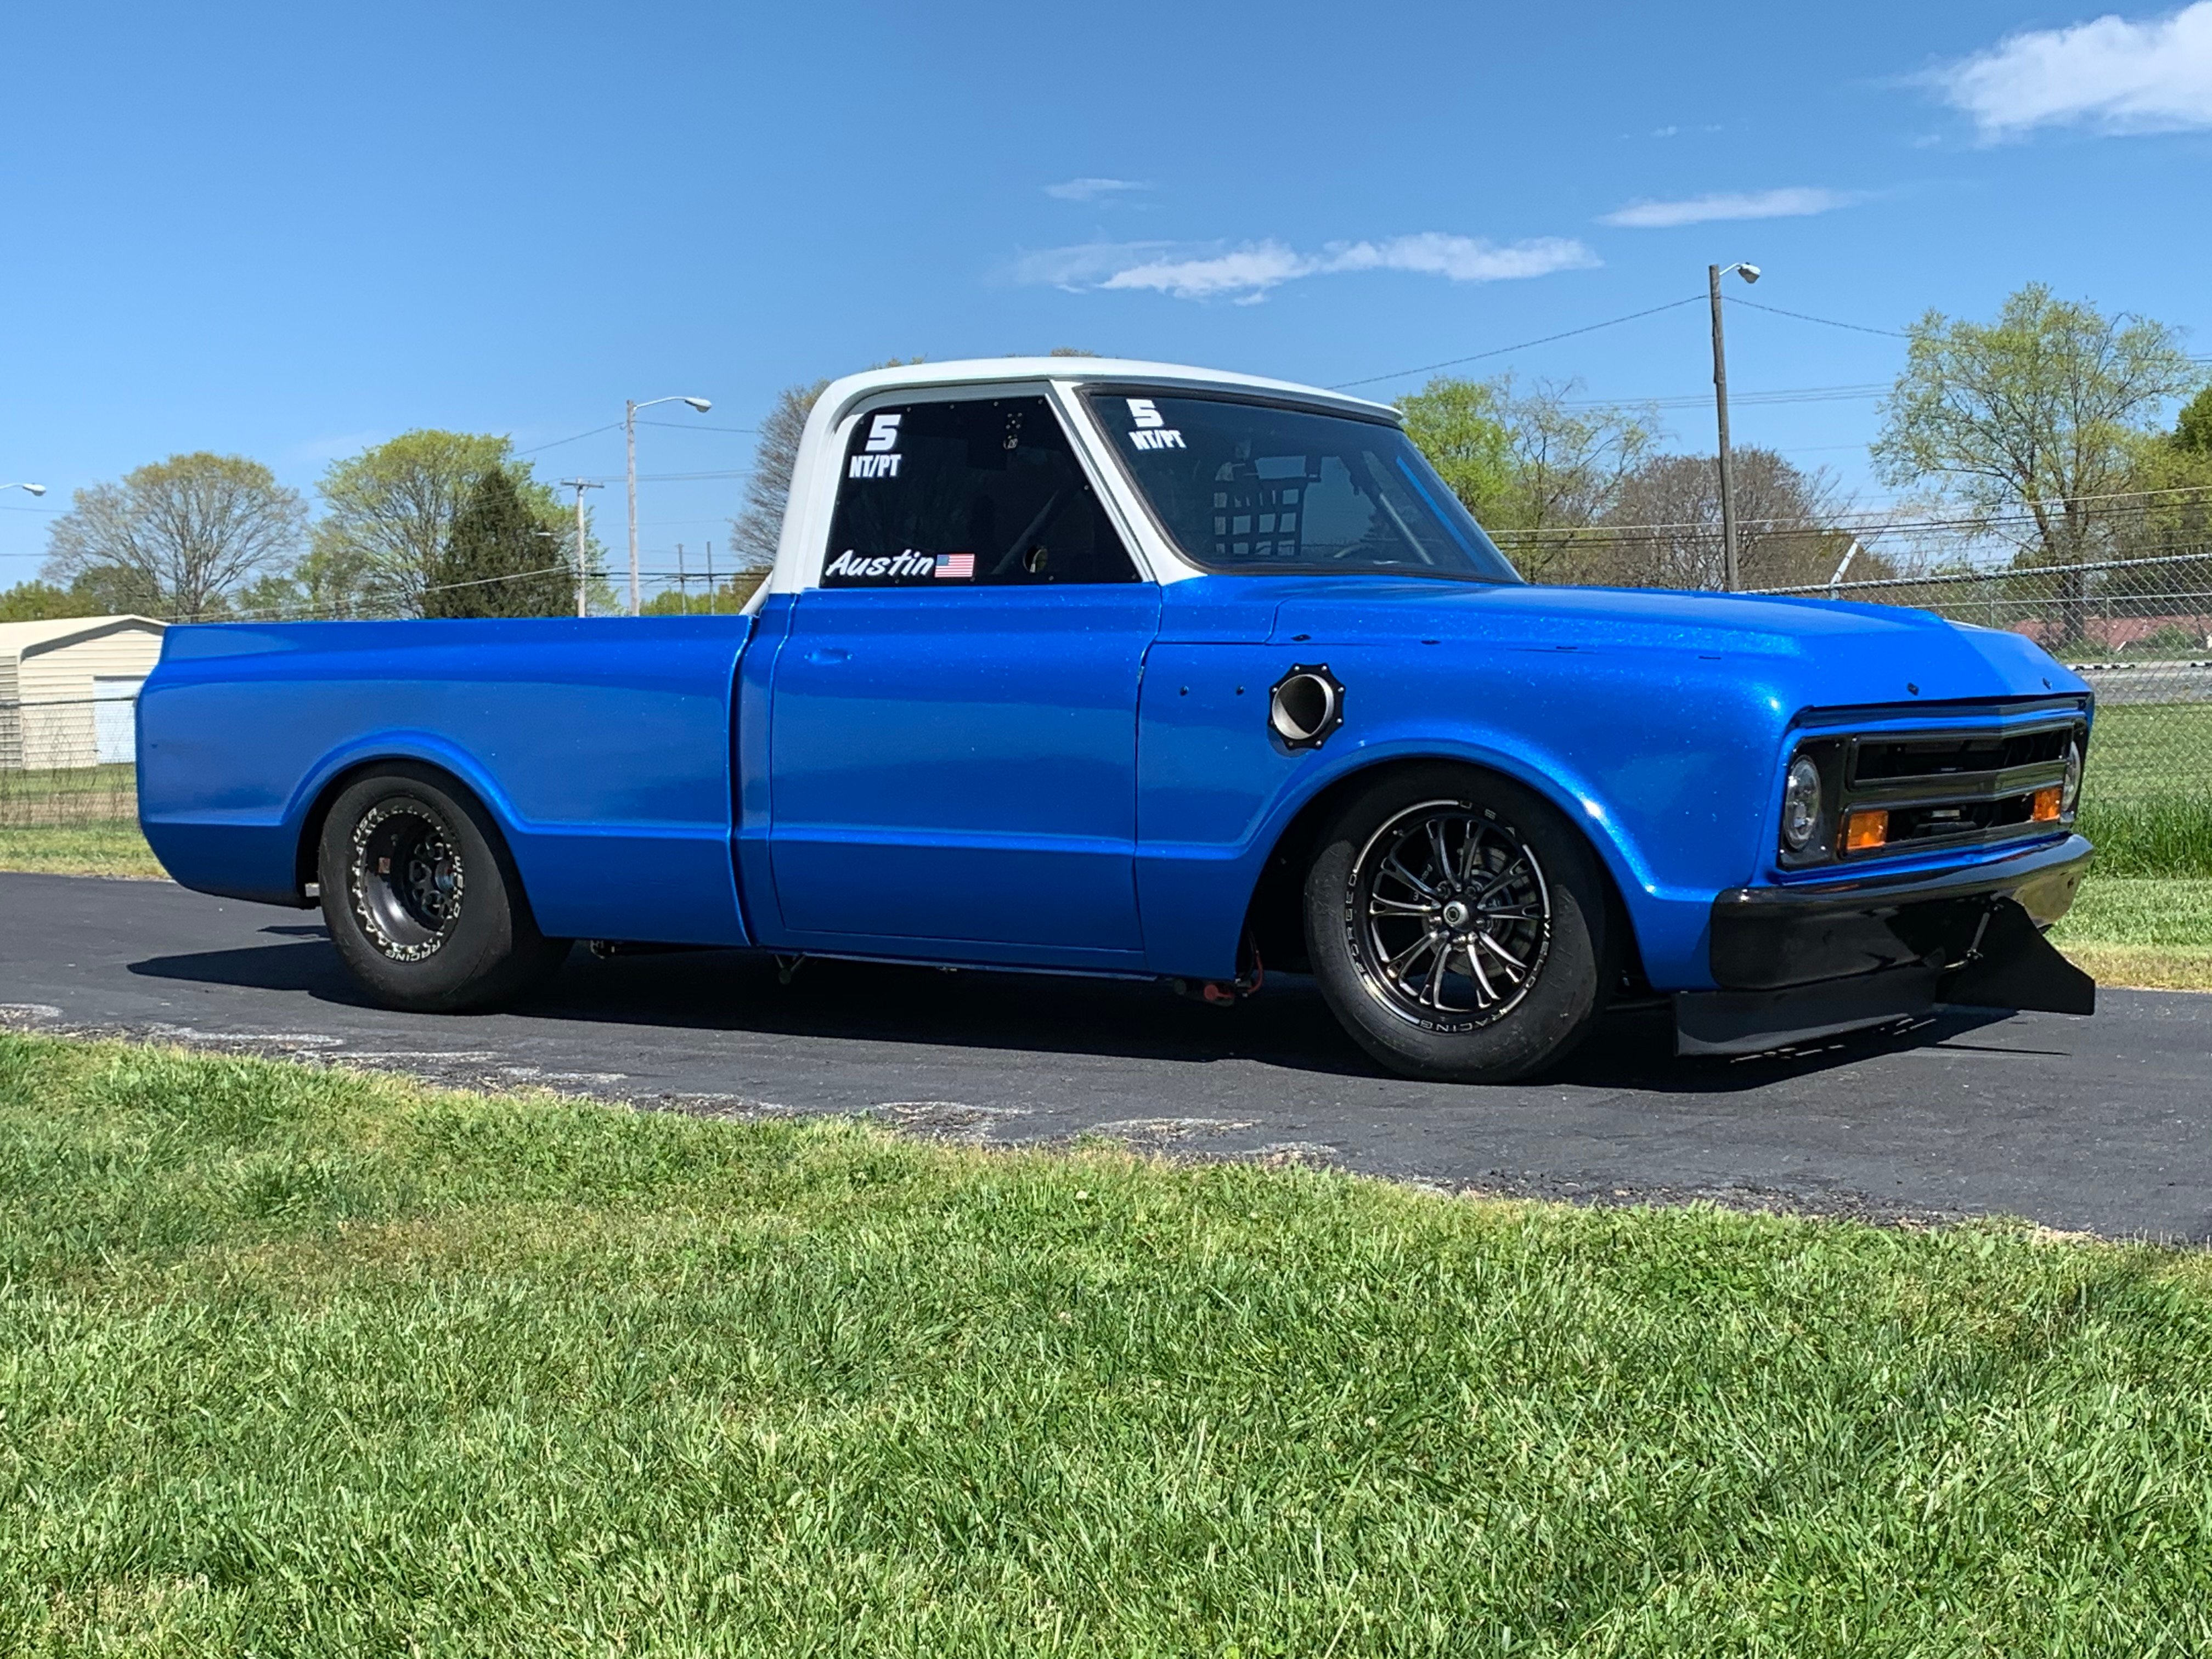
{"x": 2170, "y": 514}
{"x": 755, "y": 532}
{"x": 389, "y": 517}
{"x": 37, "y": 601}
{"x": 1536, "y": 467}
{"x": 174, "y": 539}
{"x": 2031, "y": 420}
{"x": 1664, "y": 526}
{"x": 2192, "y": 427}
{"x": 499, "y": 560}
{"x": 726, "y": 598}
{"x": 1461, "y": 426}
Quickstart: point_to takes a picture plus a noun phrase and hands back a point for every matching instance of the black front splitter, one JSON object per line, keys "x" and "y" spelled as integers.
{"x": 1793, "y": 964}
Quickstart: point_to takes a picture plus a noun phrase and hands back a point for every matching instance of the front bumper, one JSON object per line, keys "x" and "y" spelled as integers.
{"x": 1802, "y": 962}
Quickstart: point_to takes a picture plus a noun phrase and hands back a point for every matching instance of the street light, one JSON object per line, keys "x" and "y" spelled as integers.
{"x": 699, "y": 406}
{"x": 36, "y": 489}
{"x": 1713, "y": 275}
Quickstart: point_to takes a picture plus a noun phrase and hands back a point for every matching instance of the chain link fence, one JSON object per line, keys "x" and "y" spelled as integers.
{"x": 2139, "y": 630}
{"x": 68, "y": 760}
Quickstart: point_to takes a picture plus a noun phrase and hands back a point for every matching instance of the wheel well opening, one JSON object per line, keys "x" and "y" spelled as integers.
{"x": 1274, "y": 922}
{"x": 307, "y": 855}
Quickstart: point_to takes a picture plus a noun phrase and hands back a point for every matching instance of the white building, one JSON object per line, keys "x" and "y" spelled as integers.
{"x": 69, "y": 689}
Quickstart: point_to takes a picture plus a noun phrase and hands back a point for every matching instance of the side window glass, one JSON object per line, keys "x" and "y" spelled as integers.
{"x": 974, "y": 493}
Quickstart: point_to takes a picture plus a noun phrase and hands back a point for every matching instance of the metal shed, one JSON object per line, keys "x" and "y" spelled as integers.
{"x": 69, "y": 689}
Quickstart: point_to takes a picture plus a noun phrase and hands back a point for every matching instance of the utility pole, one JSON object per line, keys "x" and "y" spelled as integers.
{"x": 579, "y": 485}
{"x": 710, "y": 579}
{"x": 682, "y": 581}
{"x": 1713, "y": 275}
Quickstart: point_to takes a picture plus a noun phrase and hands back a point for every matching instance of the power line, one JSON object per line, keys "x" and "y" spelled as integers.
{"x": 1808, "y": 317}
{"x": 680, "y": 478}
{"x": 1499, "y": 351}
{"x": 1805, "y": 394}
{"x": 555, "y": 444}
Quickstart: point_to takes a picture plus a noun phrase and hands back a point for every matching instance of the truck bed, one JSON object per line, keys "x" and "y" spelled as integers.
{"x": 603, "y": 749}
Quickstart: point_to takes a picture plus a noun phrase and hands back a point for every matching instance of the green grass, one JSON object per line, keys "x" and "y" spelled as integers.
{"x": 2141, "y": 931}
{"x": 300, "y": 1362}
{"x": 68, "y": 794}
{"x": 81, "y": 849}
{"x": 2142, "y": 750}
{"x": 2155, "y": 836}
{"x": 2146, "y": 801}
{"x": 2133, "y": 911}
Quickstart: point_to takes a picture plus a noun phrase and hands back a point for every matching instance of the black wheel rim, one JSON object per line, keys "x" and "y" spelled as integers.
{"x": 1449, "y": 917}
{"x": 406, "y": 877}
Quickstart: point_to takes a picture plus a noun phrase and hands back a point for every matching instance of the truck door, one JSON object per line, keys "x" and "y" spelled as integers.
{"x": 954, "y": 718}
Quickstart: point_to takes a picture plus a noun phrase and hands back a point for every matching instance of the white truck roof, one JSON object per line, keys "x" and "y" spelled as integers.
{"x": 842, "y": 394}
{"x": 813, "y": 486}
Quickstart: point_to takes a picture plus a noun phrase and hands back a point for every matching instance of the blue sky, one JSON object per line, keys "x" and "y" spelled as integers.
{"x": 289, "y": 231}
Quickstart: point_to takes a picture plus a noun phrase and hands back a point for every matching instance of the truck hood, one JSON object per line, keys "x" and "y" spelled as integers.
{"x": 1825, "y": 653}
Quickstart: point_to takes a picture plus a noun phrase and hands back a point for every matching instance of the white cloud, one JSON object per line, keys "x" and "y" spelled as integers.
{"x": 2110, "y": 74}
{"x": 1086, "y": 265}
{"x": 1251, "y": 271}
{"x": 1248, "y": 272}
{"x": 1089, "y": 190}
{"x": 1794, "y": 203}
{"x": 1462, "y": 258}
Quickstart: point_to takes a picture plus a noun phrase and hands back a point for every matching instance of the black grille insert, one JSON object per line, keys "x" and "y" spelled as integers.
{"x": 1895, "y": 760}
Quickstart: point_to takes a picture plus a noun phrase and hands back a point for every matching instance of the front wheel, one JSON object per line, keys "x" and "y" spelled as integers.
{"x": 1457, "y": 926}
{"x": 421, "y": 901}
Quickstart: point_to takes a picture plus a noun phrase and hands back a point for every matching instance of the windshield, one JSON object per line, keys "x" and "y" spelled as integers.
{"x": 1249, "y": 487}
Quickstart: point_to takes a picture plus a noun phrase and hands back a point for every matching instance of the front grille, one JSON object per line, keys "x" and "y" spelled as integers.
{"x": 1955, "y": 755}
{"x": 1938, "y": 789}
{"x": 1971, "y": 817}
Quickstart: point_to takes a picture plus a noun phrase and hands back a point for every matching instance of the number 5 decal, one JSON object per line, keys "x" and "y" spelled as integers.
{"x": 883, "y": 434}
{"x": 1141, "y": 410}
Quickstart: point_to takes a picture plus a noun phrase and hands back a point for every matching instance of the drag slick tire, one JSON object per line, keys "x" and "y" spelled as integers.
{"x": 1458, "y": 926}
{"x": 422, "y": 900}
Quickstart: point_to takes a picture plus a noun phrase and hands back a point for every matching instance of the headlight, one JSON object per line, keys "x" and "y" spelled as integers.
{"x": 2071, "y": 793}
{"x": 1801, "y": 805}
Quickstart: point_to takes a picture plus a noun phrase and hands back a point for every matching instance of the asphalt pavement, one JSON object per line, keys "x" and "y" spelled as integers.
{"x": 2101, "y": 1125}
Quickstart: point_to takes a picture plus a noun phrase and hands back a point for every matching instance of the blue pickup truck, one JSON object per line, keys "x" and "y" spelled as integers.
{"x": 1118, "y": 668}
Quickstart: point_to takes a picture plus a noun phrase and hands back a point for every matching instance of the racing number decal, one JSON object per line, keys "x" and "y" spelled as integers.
{"x": 1151, "y": 430}
{"x": 879, "y": 459}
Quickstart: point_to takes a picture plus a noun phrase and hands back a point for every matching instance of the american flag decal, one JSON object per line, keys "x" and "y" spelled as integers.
{"x": 958, "y": 567}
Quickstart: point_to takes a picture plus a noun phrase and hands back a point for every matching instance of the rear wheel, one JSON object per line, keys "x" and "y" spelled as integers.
{"x": 1457, "y": 926}
{"x": 421, "y": 901}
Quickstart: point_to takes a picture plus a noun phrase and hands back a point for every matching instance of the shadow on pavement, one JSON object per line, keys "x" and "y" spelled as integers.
{"x": 1287, "y": 1026}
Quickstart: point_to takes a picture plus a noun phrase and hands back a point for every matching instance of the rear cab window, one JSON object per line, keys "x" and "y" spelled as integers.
{"x": 968, "y": 493}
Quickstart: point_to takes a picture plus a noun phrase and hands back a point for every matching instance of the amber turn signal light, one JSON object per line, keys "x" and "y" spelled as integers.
{"x": 1866, "y": 830}
{"x": 2042, "y": 805}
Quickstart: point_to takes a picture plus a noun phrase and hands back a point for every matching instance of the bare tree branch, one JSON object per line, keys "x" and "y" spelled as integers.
{"x": 177, "y": 537}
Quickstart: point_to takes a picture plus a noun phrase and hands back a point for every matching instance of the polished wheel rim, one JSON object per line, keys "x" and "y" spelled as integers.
{"x": 407, "y": 879}
{"x": 1448, "y": 916}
